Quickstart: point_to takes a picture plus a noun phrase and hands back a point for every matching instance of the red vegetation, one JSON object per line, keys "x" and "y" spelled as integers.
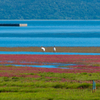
{"x": 26, "y": 59}
{"x": 33, "y": 71}
{"x": 85, "y": 60}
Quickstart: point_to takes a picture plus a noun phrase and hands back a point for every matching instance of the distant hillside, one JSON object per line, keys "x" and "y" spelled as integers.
{"x": 50, "y": 9}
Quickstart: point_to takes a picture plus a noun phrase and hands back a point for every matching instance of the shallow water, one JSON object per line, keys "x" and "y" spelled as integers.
{"x": 47, "y": 53}
{"x": 39, "y": 64}
{"x": 50, "y": 65}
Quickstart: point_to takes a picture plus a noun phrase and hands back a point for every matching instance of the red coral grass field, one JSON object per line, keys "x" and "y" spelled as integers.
{"x": 21, "y": 71}
{"x": 86, "y": 63}
{"x": 87, "y": 59}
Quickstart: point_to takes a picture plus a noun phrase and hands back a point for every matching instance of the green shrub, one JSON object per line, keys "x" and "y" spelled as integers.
{"x": 84, "y": 85}
{"x": 84, "y": 73}
{"x": 15, "y": 78}
{"x": 6, "y": 78}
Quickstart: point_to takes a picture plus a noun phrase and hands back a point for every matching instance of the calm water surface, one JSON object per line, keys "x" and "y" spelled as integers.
{"x": 48, "y": 53}
{"x": 50, "y": 33}
{"x": 51, "y": 65}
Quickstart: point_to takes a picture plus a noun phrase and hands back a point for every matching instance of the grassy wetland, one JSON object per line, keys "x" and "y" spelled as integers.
{"x": 31, "y": 83}
{"x": 17, "y": 83}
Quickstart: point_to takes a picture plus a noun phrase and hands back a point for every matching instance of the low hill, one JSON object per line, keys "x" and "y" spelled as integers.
{"x": 50, "y": 9}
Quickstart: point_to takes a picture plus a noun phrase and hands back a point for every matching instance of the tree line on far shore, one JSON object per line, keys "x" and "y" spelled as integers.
{"x": 50, "y": 9}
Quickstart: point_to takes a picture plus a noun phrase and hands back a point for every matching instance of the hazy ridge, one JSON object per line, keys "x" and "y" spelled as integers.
{"x": 50, "y": 9}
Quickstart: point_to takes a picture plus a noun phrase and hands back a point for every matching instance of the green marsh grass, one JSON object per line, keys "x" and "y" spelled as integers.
{"x": 52, "y": 94}
{"x": 50, "y": 86}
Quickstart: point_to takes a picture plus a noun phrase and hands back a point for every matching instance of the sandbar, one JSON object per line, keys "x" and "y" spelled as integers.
{"x": 50, "y": 49}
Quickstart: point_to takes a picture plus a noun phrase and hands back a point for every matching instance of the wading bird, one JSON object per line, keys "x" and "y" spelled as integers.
{"x": 54, "y": 49}
{"x": 43, "y": 49}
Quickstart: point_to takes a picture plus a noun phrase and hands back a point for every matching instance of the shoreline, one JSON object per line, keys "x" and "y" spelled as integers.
{"x": 50, "y": 49}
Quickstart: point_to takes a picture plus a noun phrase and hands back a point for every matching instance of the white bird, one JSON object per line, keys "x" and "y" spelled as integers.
{"x": 43, "y": 49}
{"x": 54, "y": 49}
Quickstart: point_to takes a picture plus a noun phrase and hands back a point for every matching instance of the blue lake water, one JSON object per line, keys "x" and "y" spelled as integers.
{"x": 50, "y": 33}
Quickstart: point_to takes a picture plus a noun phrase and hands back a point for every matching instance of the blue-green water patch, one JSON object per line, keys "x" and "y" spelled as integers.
{"x": 48, "y": 53}
{"x": 52, "y": 65}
